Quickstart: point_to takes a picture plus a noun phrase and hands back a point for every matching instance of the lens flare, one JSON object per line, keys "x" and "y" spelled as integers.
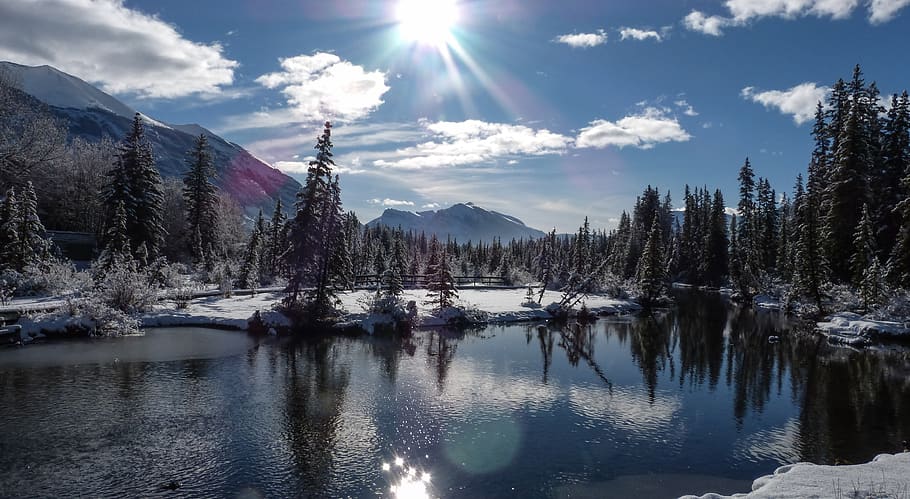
{"x": 427, "y": 21}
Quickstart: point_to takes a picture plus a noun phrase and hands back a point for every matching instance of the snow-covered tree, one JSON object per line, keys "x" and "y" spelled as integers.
{"x": 313, "y": 234}
{"x": 248, "y": 277}
{"x": 136, "y": 183}
{"x": 652, "y": 271}
{"x": 201, "y": 197}
{"x": 441, "y": 289}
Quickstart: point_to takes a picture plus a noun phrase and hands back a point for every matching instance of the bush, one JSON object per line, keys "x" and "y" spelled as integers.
{"x": 126, "y": 288}
{"x": 52, "y": 277}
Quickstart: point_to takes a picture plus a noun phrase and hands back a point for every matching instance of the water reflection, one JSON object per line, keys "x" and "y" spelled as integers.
{"x": 696, "y": 395}
{"x": 316, "y": 387}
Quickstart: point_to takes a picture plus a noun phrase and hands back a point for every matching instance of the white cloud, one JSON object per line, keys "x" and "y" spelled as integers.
{"x": 882, "y": 11}
{"x": 389, "y": 202}
{"x": 431, "y": 206}
{"x": 639, "y": 34}
{"x": 583, "y": 40}
{"x": 799, "y": 101}
{"x": 687, "y": 108}
{"x": 705, "y": 24}
{"x": 121, "y": 49}
{"x": 474, "y": 142}
{"x": 742, "y": 12}
{"x": 653, "y": 126}
{"x": 323, "y": 86}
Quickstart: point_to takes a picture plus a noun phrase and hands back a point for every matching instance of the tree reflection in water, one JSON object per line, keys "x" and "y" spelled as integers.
{"x": 316, "y": 386}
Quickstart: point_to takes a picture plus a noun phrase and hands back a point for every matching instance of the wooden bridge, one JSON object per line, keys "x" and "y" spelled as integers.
{"x": 420, "y": 280}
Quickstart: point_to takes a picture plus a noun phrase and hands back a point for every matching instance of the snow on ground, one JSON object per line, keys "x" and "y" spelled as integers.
{"x": 500, "y": 305}
{"x": 233, "y": 312}
{"x": 885, "y": 476}
{"x": 855, "y": 330}
{"x": 493, "y": 305}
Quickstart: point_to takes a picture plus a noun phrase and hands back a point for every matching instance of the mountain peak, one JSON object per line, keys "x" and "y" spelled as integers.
{"x": 462, "y": 222}
{"x": 56, "y": 88}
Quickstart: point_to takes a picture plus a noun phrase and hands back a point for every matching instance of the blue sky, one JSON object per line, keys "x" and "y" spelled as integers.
{"x": 549, "y": 111}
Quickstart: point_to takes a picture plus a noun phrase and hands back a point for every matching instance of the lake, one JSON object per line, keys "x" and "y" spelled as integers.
{"x": 693, "y": 400}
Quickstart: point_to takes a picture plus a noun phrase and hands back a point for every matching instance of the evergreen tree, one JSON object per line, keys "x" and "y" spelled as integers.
{"x": 201, "y": 197}
{"x": 118, "y": 240}
{"x": 136, "y": 183}
{"x": 441, "y": 289}
{"x": 864, "y": 250}
{"x": 811, "y": 266}
{"x": 310, "y": 247}
{"x": 652, "y": 275}
{"x": 9, "y": 231}
{"x": 276, "y": 241}
{"x": 248, "y": 277}
{"x": 716, "y": 261}
{"x": 22, "y": 234}
{"x": 846, "y": 193}
{"x": 895, "y": 164}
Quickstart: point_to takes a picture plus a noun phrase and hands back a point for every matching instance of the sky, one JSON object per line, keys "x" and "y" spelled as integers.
{"x": 548, "y": 111}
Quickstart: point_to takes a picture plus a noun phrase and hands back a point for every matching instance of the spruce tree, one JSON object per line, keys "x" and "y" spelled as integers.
{"x": 136, "y": 183}
{"x": 9, "y": 231}
{"x": 276, "y": 241}
{"x": 846, "y": 193}
{"x": 864, "y": 248}
{"x": 811, "y": 265}
{"x": 651, "y": 274}
{"x": 441, "y": 289}
{"x": 117, "y": 248}
{"x": 201, "y": 197}
{"x": 895, "y": 164}
{"x": 309, "y": 246}
{"x": 248, "y": 276}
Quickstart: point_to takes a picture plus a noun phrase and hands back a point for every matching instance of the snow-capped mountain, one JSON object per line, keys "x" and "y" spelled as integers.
{"x": 463, "y": 222}
{"x": 92, "y": 114}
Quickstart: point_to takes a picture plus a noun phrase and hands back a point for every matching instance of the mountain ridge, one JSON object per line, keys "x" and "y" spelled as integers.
{"x": 462, "y": 221}
{"x": 92, "y": 114}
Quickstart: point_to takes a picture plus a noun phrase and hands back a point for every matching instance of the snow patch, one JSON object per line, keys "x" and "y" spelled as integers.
{"x": 853, "y": 329}
{"x": 885, "y": 476}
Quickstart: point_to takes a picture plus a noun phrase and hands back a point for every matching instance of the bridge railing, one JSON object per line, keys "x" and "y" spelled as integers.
{"x": 420, "y": 280}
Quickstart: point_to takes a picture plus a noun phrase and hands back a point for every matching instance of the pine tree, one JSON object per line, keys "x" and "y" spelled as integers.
{"x": 716, "y": 258}
{"x": 9, "y": 231}
{"x": 895, "y": 164}
{"x": 201, "y": 197}
{"x": 118, "y": 241}
{"x": 136, "y": 183}
{"x": 276, "y": 241}
{"x": 310, "y": 247}
{"x": 864, "y": 250}
{"x": 846, "y": 194}
{"x": 441, "y": 289}
{"x": 392, "y": 279}
{"x": 811, "y": 266}
{"x": 249, "y": 274}
{"x": 22, "y": 234}
{"x": 652, "y": 275}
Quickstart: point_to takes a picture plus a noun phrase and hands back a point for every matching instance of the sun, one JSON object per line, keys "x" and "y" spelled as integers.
{"x": 427, "y": 22}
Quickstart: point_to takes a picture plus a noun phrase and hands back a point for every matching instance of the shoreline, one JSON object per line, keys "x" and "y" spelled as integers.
{"x": 886, "y": 475}
{"x": 492, "y": 305}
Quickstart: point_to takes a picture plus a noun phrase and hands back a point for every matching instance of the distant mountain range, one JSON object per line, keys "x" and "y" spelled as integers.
{"x": 92, "y": 114}
{"x": 462, "y": 222}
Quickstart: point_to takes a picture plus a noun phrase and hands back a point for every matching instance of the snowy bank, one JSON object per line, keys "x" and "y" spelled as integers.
{"x": 885, "y": 476}
{"x": 234, "y": 312}
{"x": 855, "y": 330}
{"x": 483, "y": 305}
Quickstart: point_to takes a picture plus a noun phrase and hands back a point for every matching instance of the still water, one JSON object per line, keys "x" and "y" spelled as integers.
{"x": 692, "y": 401}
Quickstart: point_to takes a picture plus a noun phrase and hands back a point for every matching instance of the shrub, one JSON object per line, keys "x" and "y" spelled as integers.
{"x": 127, "y": 288}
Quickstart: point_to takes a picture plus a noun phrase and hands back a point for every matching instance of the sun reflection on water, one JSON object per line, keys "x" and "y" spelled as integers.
{"x": 408, "y": 482}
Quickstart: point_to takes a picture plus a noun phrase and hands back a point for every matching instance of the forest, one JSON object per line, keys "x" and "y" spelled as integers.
{"x": 839, "y": 240}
